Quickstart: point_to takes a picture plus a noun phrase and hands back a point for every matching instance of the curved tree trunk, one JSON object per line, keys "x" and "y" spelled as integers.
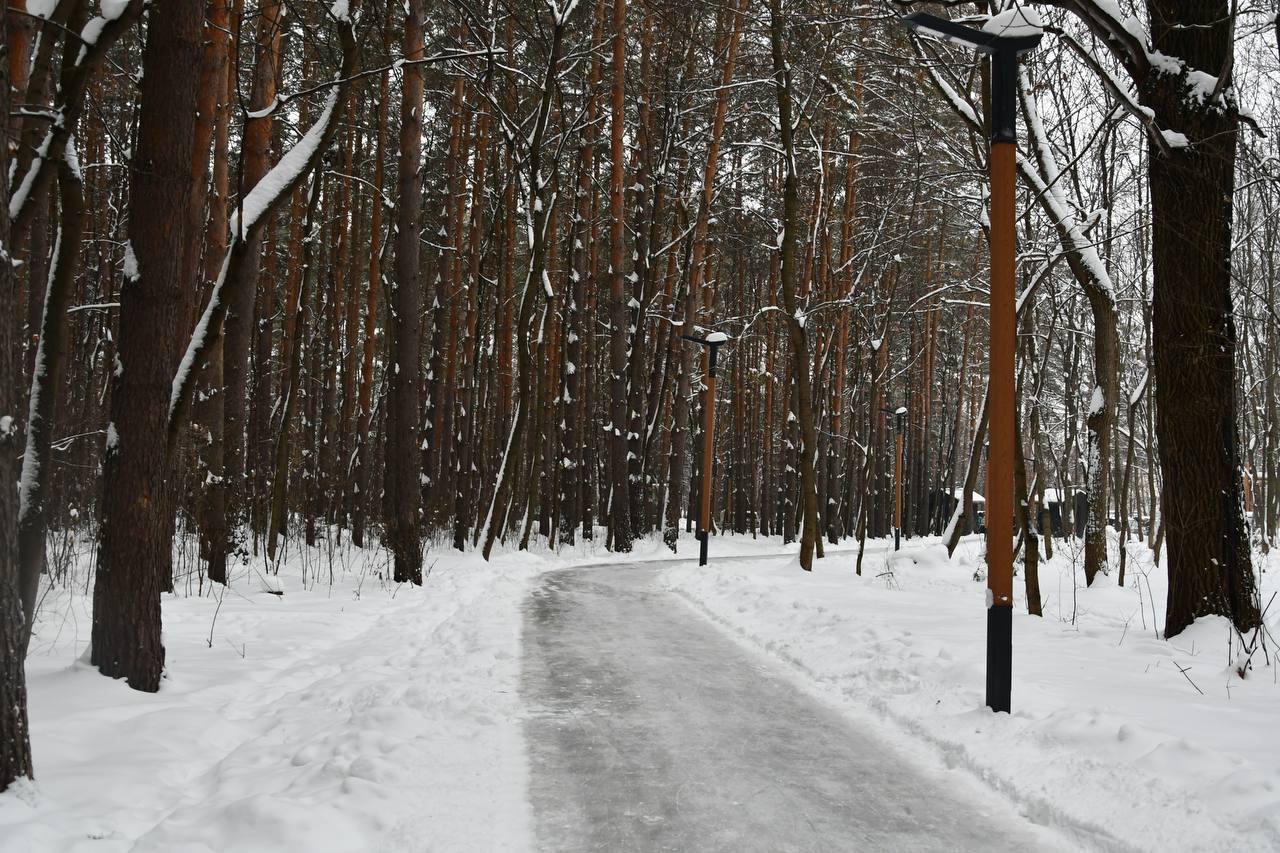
{"x": 237, "y": 466}
{"x": 46, "y": 379}
{"x": 538, "y": 212}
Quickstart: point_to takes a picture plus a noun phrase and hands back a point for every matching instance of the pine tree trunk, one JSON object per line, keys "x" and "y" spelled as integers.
{"x": 239, "y": 331}
{"x": 796, "y": 332}
{"x": 277, "y": 523}
{"x": 46, "y": 381}
{"x": 537, "y": 212}
{"x": 364, "y": 453}
{"x": 126, "y": 641}
{"x": 572, "y": 492}
{"x": 15, "y": 740}
{"x": 620, "y": 499}
{"x": 401, "y": 512}
{"x": 209, "y": 415}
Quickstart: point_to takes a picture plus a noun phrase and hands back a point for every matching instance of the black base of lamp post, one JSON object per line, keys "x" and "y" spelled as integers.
{"x": 702, "y": 548}
{"x": 897, "y": 539}
{"x": 999, "y": 657}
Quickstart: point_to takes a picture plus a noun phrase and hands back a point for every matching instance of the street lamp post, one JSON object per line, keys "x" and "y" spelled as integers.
{"x": 712, "y": 342}
{"x": 899, "y": 426}
{"x": 1003, "y": 37}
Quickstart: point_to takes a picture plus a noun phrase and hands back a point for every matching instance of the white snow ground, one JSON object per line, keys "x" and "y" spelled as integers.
{"x": 361, "y": 715}
{"x": 1109, "y": 741}
{"x": 358, "y": 716}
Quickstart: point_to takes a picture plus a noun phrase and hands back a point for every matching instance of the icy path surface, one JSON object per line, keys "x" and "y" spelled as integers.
{"x": 649, "y": 729}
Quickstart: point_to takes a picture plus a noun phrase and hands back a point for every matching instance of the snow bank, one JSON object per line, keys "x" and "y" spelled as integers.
{"x": 352, "y": 715}
{"x": 1110, "y": 742}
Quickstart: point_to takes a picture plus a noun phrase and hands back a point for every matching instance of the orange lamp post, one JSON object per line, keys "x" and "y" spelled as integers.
{"x": 1003, "y": 37}
{"x": 712, "y": 342}
{"x": 899, "y": 432}
{"x": 899, "y": 426}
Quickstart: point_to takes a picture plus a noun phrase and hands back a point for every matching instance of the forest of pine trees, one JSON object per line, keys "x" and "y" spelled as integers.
{"x": 416, "y": 275}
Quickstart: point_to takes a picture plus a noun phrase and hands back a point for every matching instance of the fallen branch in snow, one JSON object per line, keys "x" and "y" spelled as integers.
{"x": 214, "y": 620}
{"x": 1184, "y": 670}
{"x": 1258, "y": 640}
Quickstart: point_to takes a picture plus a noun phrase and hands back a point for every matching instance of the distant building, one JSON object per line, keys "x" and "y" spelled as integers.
{"x": 1053, "y": 502}
{"x": 942, "y": 505}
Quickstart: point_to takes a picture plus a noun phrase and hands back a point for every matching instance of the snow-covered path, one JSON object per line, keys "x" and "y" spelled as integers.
{"x": 649, "y": 729}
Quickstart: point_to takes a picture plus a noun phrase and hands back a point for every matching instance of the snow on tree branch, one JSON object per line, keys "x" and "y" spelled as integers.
{"x": 98, "y": 35}
{"x": 267, "y": 195}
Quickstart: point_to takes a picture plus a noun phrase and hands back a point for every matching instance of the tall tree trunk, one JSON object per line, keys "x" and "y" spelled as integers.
{"x": 572, "y": 491}
{"x": 796, "y": 333}
{"x": 126, "y": 641}
{"x": 237, "y": 466}
{"x": 46, "y": 380}
{"x": 620, "y": 498}
{"x": 696, "y": 268}
{"x": 464, "y": 443}
{"x": 209, "y": 415}
{"x": 403, "y": 460}
{"x": 537, "y": 214}
{"x": 1193, "y": 327}
{"x": 15, "y": 740}
{"x": 1094, "y": 280}
{"x": 364, "y": 456}
{"x": 277, "y": 522}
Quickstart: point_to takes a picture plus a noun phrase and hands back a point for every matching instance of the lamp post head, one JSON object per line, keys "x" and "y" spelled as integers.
{"x": 712, "y": 339}
{"x": 899, "y": 414}
{"x": 1004, "y": 37}
{"x": 1017, "y": 30}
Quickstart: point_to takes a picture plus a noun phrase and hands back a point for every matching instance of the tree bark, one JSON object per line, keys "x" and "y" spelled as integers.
{"x": 209, "y": 417}
{"x": 796, "y": 333}
{"x": 572, "y": 491}
{"x": 15, "y": 740}
{"x": 237, "y": 466}
{"x": 537, "y": 213}
{"x": 1193, "y": 327}
{"x": 696, "y": 267}
{"x": 46, "y": 380}
{"x": 126, "y": 640}
{"x": 620, "y": 494}
{"x": 364, "y": 452}
{"x": 403, "y": 459}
